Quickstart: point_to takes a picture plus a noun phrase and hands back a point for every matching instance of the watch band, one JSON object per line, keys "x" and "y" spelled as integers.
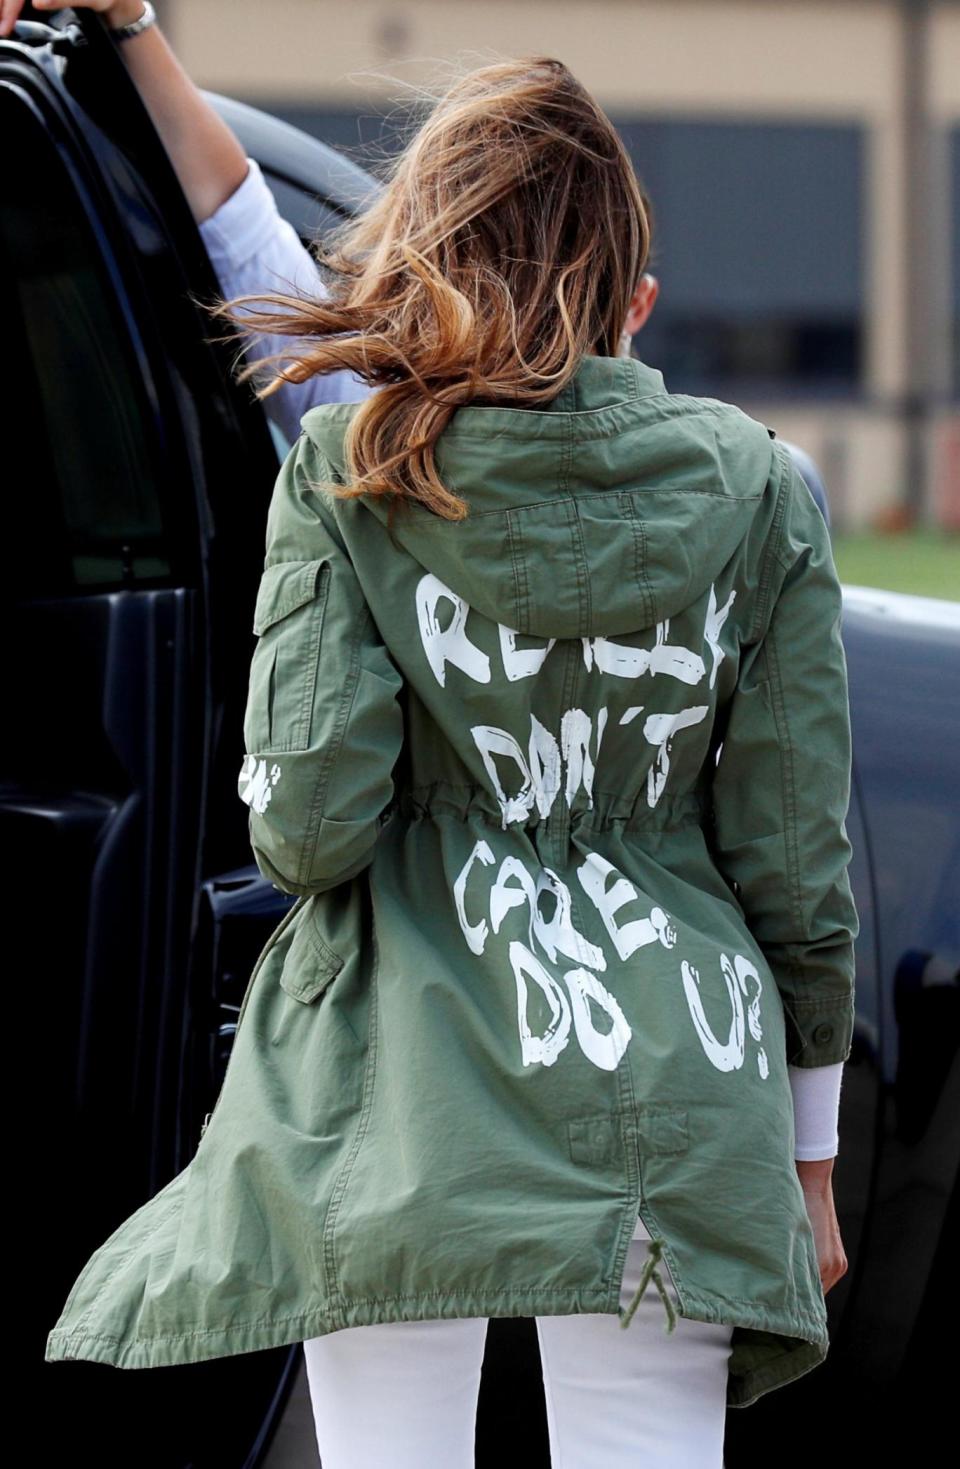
{"x": 134, "y": 27}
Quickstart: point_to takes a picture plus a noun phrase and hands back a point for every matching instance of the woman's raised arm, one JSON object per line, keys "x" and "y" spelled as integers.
{"x": 208, "y": 157}
{"x": 251, "y": 246}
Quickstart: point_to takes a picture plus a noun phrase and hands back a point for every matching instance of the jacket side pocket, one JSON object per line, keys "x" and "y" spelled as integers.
{"x": 310, "y": 964}
{"x": 288, "y": 622}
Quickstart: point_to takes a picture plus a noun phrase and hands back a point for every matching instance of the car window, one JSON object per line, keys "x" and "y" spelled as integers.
{"x": 80, "y": 414}
{"x": 310, "y": 214}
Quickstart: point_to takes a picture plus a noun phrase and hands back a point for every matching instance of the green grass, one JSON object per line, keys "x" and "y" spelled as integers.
{"x": 925, "y": 562}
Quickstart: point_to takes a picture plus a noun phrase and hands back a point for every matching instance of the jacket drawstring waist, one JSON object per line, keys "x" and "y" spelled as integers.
{"x": 650, "y": 1272}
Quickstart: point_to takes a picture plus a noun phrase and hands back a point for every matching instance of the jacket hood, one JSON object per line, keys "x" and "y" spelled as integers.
{"x": 611, "y": 508}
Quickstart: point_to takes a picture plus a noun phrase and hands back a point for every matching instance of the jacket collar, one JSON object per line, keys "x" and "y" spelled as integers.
{"x": 603, "y": 382}
{"x": 598, "y": 383}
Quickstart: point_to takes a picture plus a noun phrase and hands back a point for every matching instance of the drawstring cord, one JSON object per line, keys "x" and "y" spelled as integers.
{"x": 650, "y": 1272}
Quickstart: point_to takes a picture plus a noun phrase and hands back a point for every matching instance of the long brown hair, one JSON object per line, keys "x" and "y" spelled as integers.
{"x": 507, "y": 242}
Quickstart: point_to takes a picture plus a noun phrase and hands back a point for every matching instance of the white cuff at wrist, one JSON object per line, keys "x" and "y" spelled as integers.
{"x": 816, "y": 1107}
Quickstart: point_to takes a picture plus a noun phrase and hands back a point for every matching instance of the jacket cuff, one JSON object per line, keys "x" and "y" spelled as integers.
{"x": 818, "y": 1032}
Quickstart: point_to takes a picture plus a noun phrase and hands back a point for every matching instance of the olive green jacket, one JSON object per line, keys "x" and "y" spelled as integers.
{"x": 561, "y": 790}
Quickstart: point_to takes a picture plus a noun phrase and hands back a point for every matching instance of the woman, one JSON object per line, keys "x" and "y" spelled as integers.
{"x": 547, "y": 730}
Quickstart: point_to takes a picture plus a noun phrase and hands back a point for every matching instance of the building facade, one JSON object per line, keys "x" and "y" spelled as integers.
{"x": 802, "y": 157}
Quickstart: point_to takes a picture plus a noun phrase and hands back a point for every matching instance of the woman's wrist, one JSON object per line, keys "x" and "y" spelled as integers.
{"x": 123, "y": 12}
{"x": 815, "y": 1174}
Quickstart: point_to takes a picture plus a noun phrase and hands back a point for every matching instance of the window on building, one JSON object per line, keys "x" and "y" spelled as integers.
{"x": 758, "y": 252}
{"x": 759, "y": 248}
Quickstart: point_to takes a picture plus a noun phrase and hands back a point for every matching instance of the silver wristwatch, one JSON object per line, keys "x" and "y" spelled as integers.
{"x": 134, "y": 27}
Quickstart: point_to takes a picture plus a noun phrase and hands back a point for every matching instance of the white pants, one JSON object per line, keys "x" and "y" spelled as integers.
{"x": 403, "y": 1394}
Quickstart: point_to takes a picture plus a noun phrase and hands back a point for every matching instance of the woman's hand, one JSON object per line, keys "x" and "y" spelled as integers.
{"x": 208, "y": 157}
{"x": 114, "y": 12}
{"x": 816, "y": 1180}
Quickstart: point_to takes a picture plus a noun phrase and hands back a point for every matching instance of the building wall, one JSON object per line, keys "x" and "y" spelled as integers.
{"x": 838, "y": 62}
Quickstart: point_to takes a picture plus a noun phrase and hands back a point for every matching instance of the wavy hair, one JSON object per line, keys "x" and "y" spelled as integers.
{"x": 507, "y": 240}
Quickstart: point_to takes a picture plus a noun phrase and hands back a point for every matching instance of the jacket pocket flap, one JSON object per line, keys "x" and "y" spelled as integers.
{"x": 283, "y": 588}
{"x": 309, "y": 964}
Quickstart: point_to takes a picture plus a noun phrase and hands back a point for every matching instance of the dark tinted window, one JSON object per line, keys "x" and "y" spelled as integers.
{"x": 308, "y": 213}
{"x": 86, "y": 496}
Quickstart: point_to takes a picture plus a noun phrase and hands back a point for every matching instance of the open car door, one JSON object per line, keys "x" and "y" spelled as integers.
{"x": 139, "y": 475}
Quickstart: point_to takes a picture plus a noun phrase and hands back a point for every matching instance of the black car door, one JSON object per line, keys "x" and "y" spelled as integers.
{"x": 138, "y": 476}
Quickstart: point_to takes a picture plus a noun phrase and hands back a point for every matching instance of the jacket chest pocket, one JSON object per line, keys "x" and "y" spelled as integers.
{"x": 310, "y": 964}
{"x": 288, "y": 622}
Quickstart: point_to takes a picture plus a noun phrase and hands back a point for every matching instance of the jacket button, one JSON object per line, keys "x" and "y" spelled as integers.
{"x": 823, "y": 1034}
